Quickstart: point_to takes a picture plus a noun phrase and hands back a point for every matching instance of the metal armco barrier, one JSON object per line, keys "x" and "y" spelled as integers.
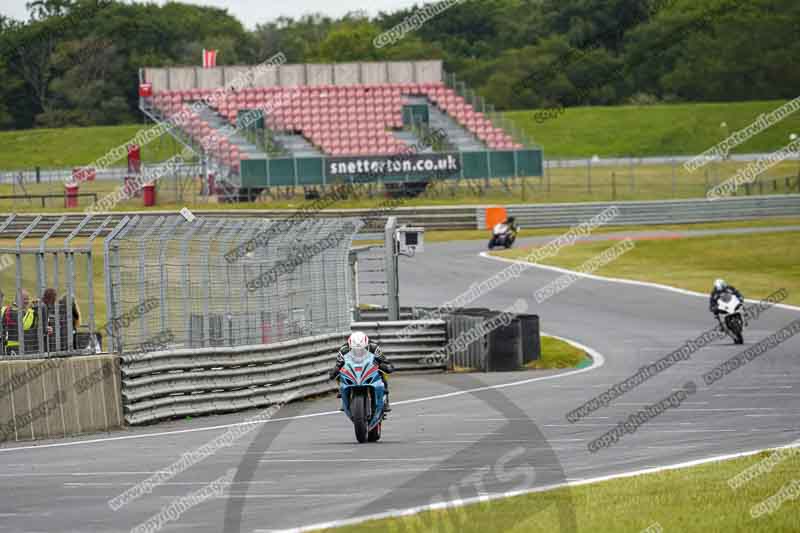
{"x": 409, "y": 344}
{"x": 655, "y": 212}
{"x": 162, "y": 385}
{"x": 189, "y": 382}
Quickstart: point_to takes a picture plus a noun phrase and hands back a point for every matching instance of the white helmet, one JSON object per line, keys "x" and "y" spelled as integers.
{"x": 358, "y": 343}
{"x": 720, "y": 284}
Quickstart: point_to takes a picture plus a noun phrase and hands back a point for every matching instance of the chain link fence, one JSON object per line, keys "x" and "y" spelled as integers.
{"x": 227, "y": 282}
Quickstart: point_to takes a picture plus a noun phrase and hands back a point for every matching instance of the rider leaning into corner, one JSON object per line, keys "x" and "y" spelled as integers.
{"x": 721, "y": 287}
{"x": 512, "y": 224}
{"x": 358, "y": 341}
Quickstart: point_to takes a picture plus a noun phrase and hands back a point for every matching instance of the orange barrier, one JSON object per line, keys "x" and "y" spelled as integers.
{"x": 495, "y": 215}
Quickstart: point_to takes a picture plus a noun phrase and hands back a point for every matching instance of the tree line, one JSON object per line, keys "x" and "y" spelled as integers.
{"x": 74, "y": 62}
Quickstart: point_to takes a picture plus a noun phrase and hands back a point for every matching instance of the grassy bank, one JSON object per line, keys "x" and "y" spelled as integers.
{"x": 678, "y": 129}
{"x": 68, "y": 147}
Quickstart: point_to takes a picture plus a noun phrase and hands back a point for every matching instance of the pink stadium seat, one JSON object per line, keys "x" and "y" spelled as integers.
{"x": 350, "y": 119}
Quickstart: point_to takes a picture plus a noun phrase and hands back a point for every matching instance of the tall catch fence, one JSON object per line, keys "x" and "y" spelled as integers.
{"x": 226, "y": 282}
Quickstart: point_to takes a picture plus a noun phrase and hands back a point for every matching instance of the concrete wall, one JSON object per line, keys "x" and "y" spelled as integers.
{"x": 182, "y": 78}
{"x": 210, "y": 78}
{"x": 428, "y": 71}
{"x": 158, "y": 77}
{"x": 373, "y": 73}
{"x": 59, "y": 397}
{"x": 266, "y": 77}
{"x": 232, "y": 75}
{"x": 319, "y": 74}
{"x": 185, "y": 78}
{"x": 401, "y": 72}
{"x": 346, "y": 73}
{"x": 291, "y": 75}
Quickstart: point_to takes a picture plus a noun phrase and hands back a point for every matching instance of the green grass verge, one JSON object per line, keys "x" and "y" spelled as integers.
{"x": 696, "y": 499}
{"x": 557, "y": 354}
{"x": 676, "y": 129}
{"x": 756, "y": 264}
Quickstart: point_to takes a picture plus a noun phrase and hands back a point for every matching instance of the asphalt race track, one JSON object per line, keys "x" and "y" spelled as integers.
{"x": 449, "y": 437}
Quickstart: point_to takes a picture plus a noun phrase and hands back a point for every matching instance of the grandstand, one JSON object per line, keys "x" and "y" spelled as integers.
{"x": 323, "y": 112}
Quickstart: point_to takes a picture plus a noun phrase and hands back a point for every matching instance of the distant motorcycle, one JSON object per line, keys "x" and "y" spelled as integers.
{"x": 730, "y": 316}
{"x": 363, "y": 394}
{"x": 502, "y": 235}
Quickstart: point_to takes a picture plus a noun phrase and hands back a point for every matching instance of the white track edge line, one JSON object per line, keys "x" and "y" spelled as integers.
{"x": 597, "y": 361}
{"x": 496, "y": 496}
{"x": 650, "y": 284}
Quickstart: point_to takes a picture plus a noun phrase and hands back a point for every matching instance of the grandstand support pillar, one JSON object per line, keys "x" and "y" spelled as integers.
{"x": 392, "y": 285}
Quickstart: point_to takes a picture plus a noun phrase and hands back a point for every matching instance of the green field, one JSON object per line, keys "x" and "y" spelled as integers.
{"x": 677, "y": 129}
{"x": 756, "y": 264}
{"x": 687, "y": 500}
{"x": 70, "y": 147}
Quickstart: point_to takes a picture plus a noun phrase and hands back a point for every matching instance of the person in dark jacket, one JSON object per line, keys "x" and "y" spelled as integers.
{"x": 53, "y": 308}
{"x": 358, "y": 341}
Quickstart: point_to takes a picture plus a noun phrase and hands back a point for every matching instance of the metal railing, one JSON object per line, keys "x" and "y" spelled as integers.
{"x": 167, "y": 384}
{"x": 408, "y": 348}
{"x": 655, "y": 212}
{"x": 479, "y": 104}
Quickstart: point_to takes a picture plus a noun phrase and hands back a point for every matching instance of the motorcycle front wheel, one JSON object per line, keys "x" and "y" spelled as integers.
{"x": 734, "y": 324}
{"x": 358, "y": 408}
{"x": 375, "y": 433}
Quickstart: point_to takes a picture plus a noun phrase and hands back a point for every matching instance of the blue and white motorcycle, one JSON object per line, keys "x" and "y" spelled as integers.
{"x": 363, "y": 395}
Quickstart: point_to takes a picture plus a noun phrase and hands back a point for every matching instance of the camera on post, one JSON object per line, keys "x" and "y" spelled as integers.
{"x": 410, "y": 240}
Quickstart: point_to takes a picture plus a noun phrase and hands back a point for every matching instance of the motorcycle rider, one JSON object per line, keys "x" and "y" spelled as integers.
{"x": 511, "y": 225}
{"x": 721, "y": 287}
{"x": 359, "y": 343}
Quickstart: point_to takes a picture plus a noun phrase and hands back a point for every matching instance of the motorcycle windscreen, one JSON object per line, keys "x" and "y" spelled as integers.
{"x": 357, "y": 356}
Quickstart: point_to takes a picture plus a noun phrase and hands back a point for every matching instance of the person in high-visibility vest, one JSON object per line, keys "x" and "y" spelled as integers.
{"x": 10, "y": 314}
